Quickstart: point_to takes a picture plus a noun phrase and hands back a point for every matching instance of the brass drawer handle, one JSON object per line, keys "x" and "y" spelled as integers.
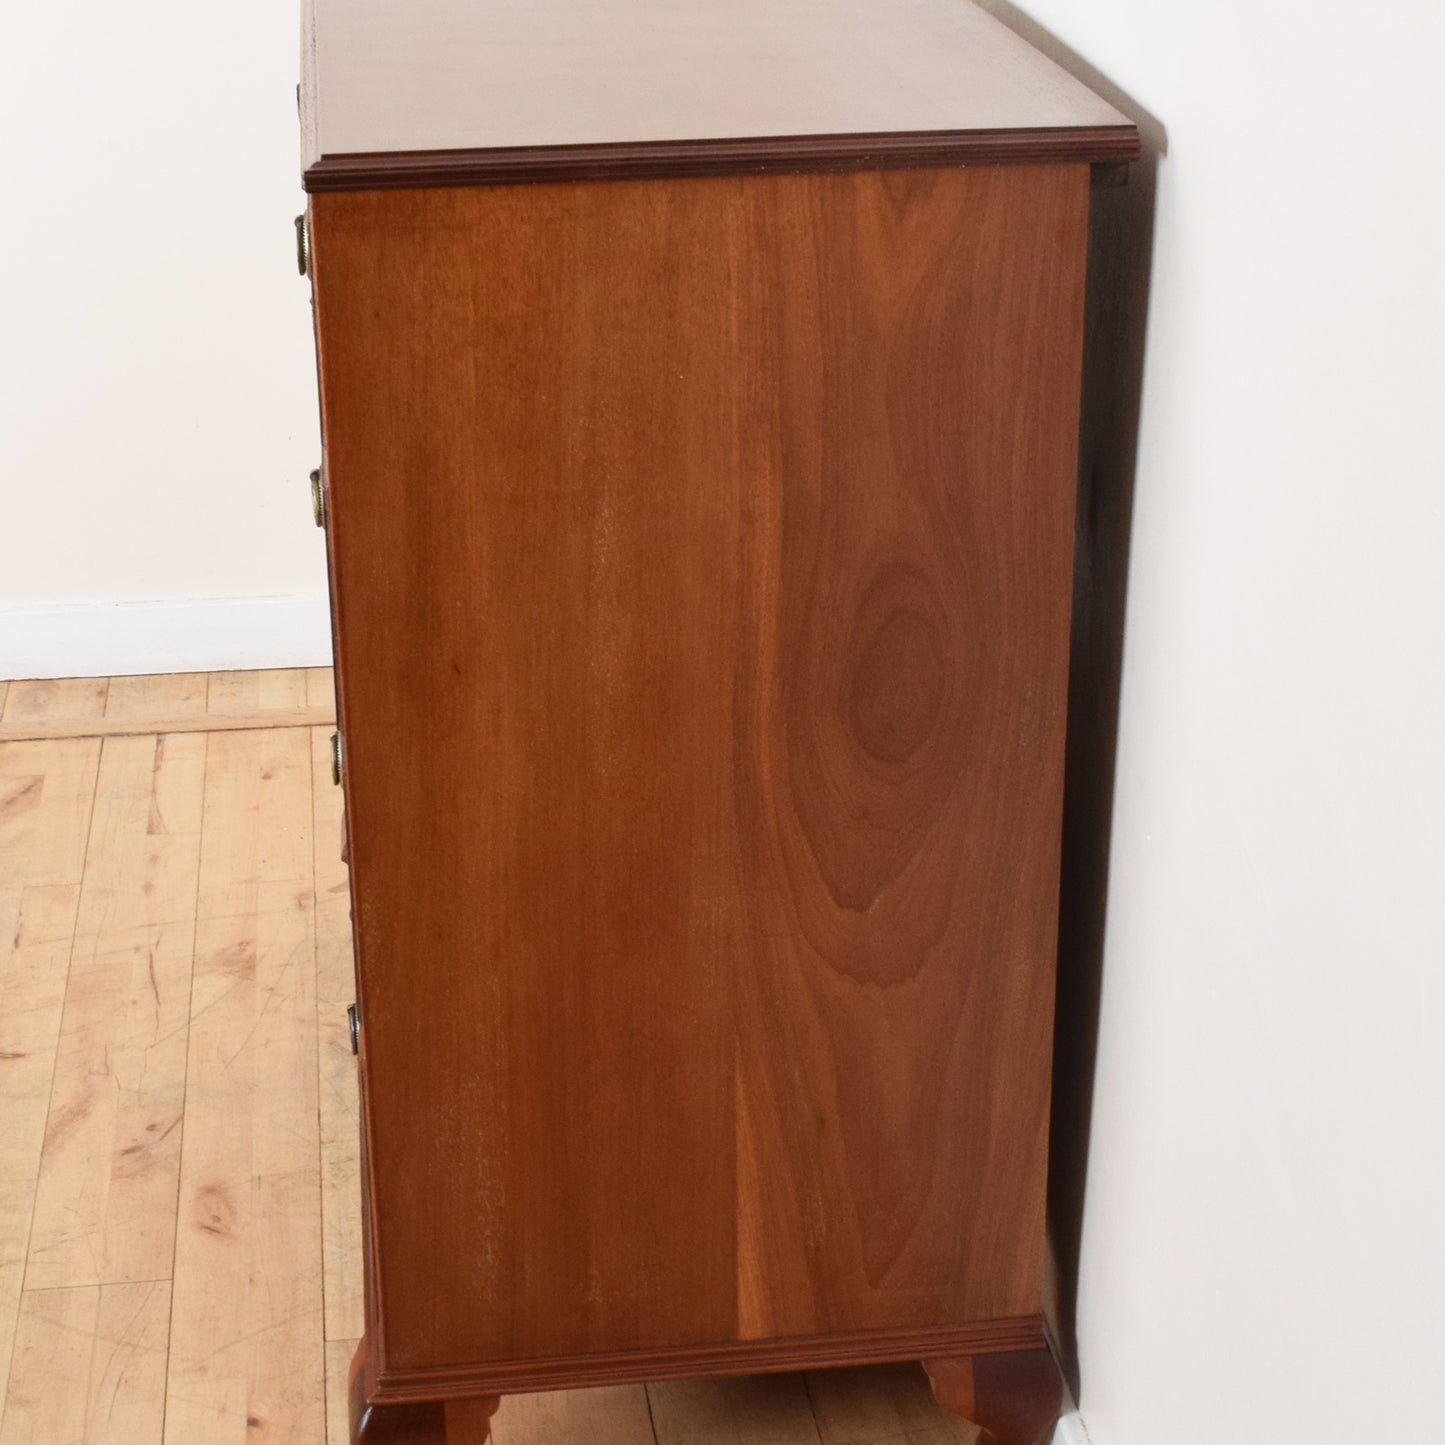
{"x": 318, "y": 498}
{"x": 303, "y": 245}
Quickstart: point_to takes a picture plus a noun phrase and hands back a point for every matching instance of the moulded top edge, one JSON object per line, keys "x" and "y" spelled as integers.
{"x": 421, "y": 77}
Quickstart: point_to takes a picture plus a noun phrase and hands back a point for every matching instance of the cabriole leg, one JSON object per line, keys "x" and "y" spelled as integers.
{"x": 450, "y": 1422}
{"x": 1013, "y": 1398}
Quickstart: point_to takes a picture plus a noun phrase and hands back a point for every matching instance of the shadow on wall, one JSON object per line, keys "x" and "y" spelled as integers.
{"x": 1120, "y": 250}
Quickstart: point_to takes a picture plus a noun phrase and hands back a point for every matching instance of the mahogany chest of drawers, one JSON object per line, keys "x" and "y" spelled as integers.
{"x": 699, "y": 391}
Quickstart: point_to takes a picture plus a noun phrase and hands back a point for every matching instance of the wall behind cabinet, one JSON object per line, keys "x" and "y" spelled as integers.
{"x": 157, "y": 392}
{"x": 1262, "y": 1256}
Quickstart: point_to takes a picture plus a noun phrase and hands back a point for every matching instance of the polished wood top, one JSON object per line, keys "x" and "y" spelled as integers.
{"x": 448, "y": 91}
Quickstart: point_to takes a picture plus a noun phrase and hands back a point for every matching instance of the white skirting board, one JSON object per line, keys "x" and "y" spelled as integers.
{"x": 1070, "y": 1429}
{"x": 209, "y": 635}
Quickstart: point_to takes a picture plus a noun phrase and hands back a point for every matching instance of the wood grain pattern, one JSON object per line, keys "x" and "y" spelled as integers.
{"x": 16, "y": 1200}
{"x": 47, "y": 794}
{"x": 164, "y": 697}
{"x": 448, "y": 74}
{"x": 90, "y": 1366}
{"x": 324, "y": 715}
{"x": 105, "y": 1205}
{"x": 171, "y": 703}
{"x": 268, "y": 691}
{"x": 741, "y": 669}
{"x": 98, "y": 1352}
{"x": 243, "y": 1351}
{"x": 54, "y": 701}
{"x": 320, "y": 687}
{"x": 91, "y": 1360}
{"x": 107, "y": 727}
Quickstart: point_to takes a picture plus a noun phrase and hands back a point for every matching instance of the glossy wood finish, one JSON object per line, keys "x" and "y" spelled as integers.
{"x": 774, "y": 155}
{"x": 89, "y": 1360}
{"x": 502, "y": 80}
{"x": 450, "y": 1422}
{"x": 621, "y": 1367}
{"x": 701, "y": 553}
{"x": 1015, "y": 1398}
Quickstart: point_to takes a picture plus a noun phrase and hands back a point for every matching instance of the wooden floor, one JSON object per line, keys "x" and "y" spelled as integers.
{"x": 179, "y": 1204}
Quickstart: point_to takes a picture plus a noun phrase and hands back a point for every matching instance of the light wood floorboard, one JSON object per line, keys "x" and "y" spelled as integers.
{"x": 320, "y": 688}
{"x": 173, "y": 695}
{"x": 105, "y": 1206}
{"x": 47, "y": 792}
{"x": 754, "y": 1410}
{"x": 888, "y": 1403}
{"x": 180, "y": 1230}
{"x": 53, "y": 703}
{"x": 90, "y": 1365}
{"x": 338, "y": 1376}
{"x": 175, "y": 702}
{"x": 247, "y": 1347}
{"x": 612, "y": 1415}
{"x": 336, "y": 1068}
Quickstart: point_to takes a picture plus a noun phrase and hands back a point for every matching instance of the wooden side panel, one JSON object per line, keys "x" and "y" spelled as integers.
{"x": 702, "y": 556}
{"x": 900, "y": 709}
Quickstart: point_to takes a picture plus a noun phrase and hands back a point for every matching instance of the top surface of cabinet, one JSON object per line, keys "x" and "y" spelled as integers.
{"x": 941, "y": 78}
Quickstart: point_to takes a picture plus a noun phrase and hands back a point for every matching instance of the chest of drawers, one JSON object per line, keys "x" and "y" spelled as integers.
{"x": 699, "y": 392}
